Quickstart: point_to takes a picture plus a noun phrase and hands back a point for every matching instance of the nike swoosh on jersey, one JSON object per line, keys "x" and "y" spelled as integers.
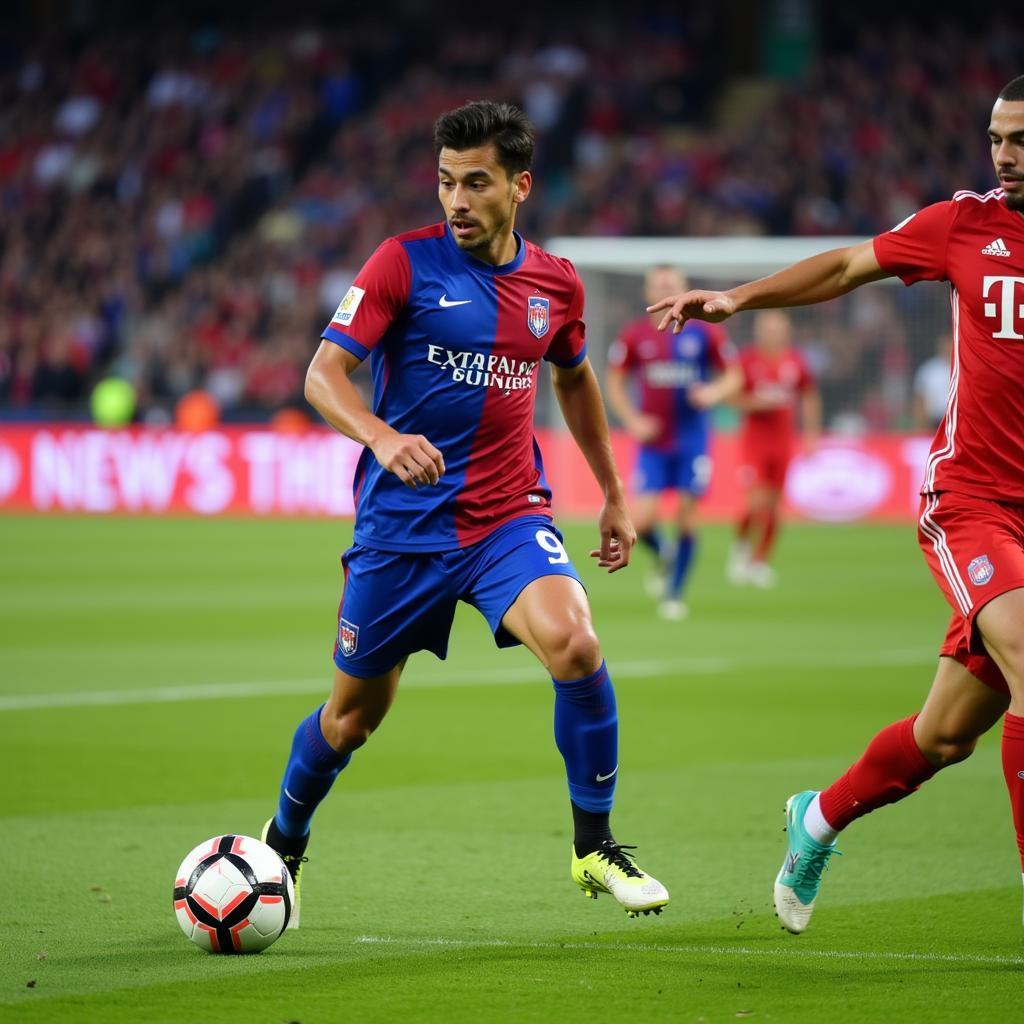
{"x": 445, "y": 303}
{"x": 604, "y": 778}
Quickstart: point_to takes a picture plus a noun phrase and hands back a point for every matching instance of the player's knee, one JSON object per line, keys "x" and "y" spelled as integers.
{"x": 946, "y": 747}
{"x": 577, "y": 653}
{"x": 348, "y": 731}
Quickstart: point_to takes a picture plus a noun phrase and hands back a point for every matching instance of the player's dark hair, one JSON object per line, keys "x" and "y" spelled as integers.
{"x": 484, "y": 122}
{"x": 1013, "y": 91}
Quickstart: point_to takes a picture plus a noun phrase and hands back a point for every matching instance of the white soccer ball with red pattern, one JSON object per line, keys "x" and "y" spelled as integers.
{"x": 233, "y": 894}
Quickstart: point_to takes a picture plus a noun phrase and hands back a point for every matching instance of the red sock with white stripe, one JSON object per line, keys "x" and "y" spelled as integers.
{"x": 1013, "y": 772}
{"x": 891, "y": 768}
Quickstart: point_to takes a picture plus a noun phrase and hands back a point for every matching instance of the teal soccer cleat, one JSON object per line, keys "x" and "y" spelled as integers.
{"x": 799, "y": 879}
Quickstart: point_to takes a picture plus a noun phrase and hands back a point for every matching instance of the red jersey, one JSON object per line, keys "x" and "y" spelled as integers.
{"x": 976, "y": 244}
{"x": 780, "y": 379}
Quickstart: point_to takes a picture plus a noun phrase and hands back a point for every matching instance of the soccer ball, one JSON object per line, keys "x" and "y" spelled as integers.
{"x": 233, "y": 894}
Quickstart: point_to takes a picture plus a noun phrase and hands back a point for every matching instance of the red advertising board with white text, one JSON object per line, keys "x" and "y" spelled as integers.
{"x": 241, "y": 471}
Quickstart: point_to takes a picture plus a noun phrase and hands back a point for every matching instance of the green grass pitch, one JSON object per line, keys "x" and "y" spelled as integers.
{"x": 151, "y": 673}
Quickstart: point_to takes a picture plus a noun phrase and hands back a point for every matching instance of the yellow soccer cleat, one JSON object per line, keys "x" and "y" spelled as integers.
{"x": 291, "y": 851}
{"x": 610, "y": 869}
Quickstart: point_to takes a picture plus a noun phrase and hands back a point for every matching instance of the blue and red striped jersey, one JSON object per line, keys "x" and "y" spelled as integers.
{"x": 455, "y": 346}
{"x": 665, "y": 366}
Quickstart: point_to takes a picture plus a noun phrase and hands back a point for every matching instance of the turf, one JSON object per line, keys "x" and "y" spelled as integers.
{"x": 151, "y": 673}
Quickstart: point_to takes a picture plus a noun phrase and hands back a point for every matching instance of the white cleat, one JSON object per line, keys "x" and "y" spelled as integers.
{"x": 738, "y": 565}
{"x": 673, "y": 609}
{"x": 762, "y": 575}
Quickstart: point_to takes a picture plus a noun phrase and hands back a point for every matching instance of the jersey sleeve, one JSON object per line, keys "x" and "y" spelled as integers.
{"x": 374, "y": 301}
{"x": 746, "y": 368}
{"x": 721, "y": 352}
{"x": 805, "y": 381}
{"x": 568, "y": 348}
{"x": 915, "y": 250}
{"x": 622, "y": 351}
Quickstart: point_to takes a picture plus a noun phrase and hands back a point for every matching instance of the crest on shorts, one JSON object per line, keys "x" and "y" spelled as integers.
{"x": 538, "y": 315}
{"x": 981, "y": 570}
{"x": 348, "y": 637}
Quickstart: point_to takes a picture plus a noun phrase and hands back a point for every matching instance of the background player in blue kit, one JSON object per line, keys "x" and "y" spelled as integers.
{"x": 451, "y": 499}
{"x": 665, "y": 414}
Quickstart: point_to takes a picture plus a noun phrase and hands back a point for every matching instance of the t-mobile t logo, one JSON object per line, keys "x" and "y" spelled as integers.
{"x": 1005, "y": 308}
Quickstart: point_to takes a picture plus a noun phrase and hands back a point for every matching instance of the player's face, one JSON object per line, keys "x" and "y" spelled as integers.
{"x": 772, "y": 331}
{"x": 1006, "y": 133}
{"x": 480, "y": 199}
{"x": 661, "y": 282}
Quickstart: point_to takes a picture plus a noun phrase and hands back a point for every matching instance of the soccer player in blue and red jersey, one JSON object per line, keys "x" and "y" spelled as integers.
{"x": 451, "y": 499}
{"x": 971, "y": 526}
{"x": 670, "y": 423}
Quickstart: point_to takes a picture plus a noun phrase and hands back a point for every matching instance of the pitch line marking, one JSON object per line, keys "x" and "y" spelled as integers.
{"x": 710, "y": 664}
{"x": 625, "y": 947}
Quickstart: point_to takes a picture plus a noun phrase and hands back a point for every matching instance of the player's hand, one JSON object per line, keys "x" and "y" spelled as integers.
{"x": 644, "y": 428}
{"x": 411, "y": 457}
{"x": 617, "y": 537}
{"x": 702, "y": 396}
{"x": 693, "y": 305}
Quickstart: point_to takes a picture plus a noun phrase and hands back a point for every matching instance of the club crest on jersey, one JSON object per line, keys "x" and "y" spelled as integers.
{"x": 981, "y": 570}
{"x": 348, "y": 637}
{"x": 538, "y": 315}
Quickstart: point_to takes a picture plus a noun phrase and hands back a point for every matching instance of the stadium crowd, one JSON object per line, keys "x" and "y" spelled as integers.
{"x": 188, "y": 212}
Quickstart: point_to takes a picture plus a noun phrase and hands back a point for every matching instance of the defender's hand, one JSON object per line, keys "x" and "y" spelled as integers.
{"x": 411, "y": 457}
{"x": 617, "y": 537}
{"x": 693, "y": 305}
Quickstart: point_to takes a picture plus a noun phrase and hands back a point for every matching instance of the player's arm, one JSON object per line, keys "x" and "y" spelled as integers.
{"x": 579, "y": 397}
{"x": 642, "y": 427}
{"x": 810, "y": 417}
{"x": 816, "y": 279}
{"x": 725, "y": 387}
{"x": 329, "y": 389}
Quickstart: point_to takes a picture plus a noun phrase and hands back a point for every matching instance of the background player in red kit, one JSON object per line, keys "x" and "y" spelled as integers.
{"x": 670, "y": 426}
{"x": 775, "y": 381}
{"x": 971, "y": 527}
{"x": 451, "y": 499}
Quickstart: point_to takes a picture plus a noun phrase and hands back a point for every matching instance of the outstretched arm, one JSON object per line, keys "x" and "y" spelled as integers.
{"x": 580, "y": 400}
{"x": 825, "y": 276}
{"x": 411, "y": 457}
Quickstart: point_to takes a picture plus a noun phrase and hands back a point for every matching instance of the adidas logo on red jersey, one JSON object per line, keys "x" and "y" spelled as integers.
{"x": 997, "y": 247}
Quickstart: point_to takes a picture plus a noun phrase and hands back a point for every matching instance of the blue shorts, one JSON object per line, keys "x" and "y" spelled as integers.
{"x": 687, "y": 468}
{"x": 398, "y": 602}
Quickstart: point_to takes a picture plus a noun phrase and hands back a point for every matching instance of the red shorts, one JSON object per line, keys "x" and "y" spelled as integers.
{"x": 764, "y": 464}
{"x": 975, "y": 550}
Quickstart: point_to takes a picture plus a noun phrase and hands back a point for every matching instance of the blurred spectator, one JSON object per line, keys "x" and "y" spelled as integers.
{"x": 189, "y": 206}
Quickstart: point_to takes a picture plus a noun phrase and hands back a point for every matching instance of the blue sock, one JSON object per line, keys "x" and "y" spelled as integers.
{"x": 681, "y": 567}
{"x": 312, "y": 767}
{"x": 651, "y": 539}
{"x": 587, "y": 736}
